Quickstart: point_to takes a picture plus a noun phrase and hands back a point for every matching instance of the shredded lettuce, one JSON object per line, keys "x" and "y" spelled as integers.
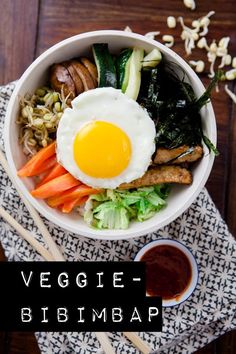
{"x": 114, "y": 209}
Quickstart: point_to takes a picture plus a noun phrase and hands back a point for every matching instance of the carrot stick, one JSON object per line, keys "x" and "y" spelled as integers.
{"x": 76, "y": 192}
{"x": 56, "y": 171}
{"x": 47, "y": 165}
{"x": 69, "y": 206}
{"x": 33, "y": 165}
{"x": 55, "y": 186}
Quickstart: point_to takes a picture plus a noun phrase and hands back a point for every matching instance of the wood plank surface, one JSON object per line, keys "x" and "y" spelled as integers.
{"x": 28, "y": 27}
{"x": 18, "y": 28}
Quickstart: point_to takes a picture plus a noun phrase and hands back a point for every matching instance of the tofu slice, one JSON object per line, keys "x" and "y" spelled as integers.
{"x": 161, "y": 174}
{"x": 178, "y": 155}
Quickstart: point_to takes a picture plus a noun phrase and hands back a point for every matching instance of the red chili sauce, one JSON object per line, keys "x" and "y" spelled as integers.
{"x": 168, "y": 271}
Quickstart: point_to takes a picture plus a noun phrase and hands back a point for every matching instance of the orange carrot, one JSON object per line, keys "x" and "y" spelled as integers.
{"x": 32, "y": 167}
{"x": 47, "y": 165}
{"x": 55, "y": 186}
{"x": 76, "y": 192}
{"x": 56, "y": 171}
{"x": 69, "y": 206}
{"x": 60, "y": 207}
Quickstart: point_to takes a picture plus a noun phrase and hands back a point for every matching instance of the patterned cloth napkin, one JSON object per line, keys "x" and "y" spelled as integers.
{"x": 206, "y": 315}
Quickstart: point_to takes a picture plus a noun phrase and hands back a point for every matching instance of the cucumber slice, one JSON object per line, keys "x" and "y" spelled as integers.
{"x": 105, "y": 65}
{"x": 134, "y": 80}
{"x": 152, "y": 59}
{"x": 122, "y": 68}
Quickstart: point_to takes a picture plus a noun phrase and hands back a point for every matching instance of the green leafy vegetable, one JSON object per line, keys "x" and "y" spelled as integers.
{"x": 172, "y": 105}
{"x": 210, "y": 146}
{"x": 204, "y": 99}
{"x": 114, "y": 209}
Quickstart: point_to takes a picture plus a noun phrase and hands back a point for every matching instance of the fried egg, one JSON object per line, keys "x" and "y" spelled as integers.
{"x": 105, "y": 139}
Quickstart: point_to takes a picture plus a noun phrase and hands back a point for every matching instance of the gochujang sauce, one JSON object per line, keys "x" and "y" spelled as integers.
{"x": 168, "y": 271}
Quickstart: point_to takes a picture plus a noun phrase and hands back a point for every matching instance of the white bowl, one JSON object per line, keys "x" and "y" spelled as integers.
{"x": 181, "y": 196}
{"x": 194, "y": 279}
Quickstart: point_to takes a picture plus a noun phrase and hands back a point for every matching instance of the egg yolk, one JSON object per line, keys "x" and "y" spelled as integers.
{"x": 102, "y": 149}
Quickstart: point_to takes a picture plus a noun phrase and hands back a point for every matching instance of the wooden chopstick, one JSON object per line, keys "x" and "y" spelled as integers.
{"x": 105, "y": 342}
{"x": 56, "y": 254}
{"x": 26, "y": 235}
{"x": 138, "y": 342}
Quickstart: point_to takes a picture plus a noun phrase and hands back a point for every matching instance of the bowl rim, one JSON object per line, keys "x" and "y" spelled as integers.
{"x": 192, "y": 260}
{"x": 112, "y": 235}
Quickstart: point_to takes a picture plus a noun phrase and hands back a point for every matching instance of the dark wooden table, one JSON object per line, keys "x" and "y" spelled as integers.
{"x": 28, "y": 27}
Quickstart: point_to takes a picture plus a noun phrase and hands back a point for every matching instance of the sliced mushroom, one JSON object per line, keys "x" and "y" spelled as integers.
{"x": 60, "y": 79}
{"x": 91, "y": 69}
{"x": 75, "y": 76}
{"x": 84, "y": 75}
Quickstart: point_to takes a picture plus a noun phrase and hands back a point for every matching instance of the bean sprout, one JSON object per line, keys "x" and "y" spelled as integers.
{"x": 39, "y": 117}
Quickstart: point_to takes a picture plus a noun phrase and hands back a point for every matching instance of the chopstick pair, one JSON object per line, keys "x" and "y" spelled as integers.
{"x": 54, "y": 254}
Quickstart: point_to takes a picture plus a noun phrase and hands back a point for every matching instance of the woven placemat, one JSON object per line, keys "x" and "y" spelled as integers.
{"x": 206, "y": 315}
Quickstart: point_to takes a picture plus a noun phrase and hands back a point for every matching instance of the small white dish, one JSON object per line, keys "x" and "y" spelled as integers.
{"x": 193, "y": 264}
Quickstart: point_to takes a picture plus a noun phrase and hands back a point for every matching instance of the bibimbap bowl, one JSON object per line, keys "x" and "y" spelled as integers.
{"x": 35, "y": 76}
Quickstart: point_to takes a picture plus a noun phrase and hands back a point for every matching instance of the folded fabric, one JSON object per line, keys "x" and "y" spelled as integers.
{"x": 207, "y": 314}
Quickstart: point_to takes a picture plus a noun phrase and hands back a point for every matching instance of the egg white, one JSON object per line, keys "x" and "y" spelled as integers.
{"x": 109, "y": 105}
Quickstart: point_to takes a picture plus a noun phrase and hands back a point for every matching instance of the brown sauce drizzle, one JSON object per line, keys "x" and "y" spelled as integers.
{"x": 168, "y": 272}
